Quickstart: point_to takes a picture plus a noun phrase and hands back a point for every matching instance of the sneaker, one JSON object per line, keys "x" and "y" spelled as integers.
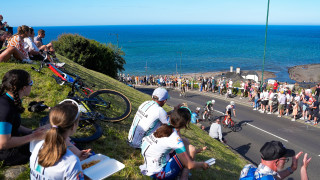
{"x": 261, "y": 111}
{"x": 293, "y": 119}
{"x": 27, "y": 61}
{"x": 286, "y": 114}
{"x": 307, "y": 121}
{"x": 59, "y": 64}
{"x": 254, "y": 109}
{"x": 279, "y": 116}
{"x": 269, "y": 113}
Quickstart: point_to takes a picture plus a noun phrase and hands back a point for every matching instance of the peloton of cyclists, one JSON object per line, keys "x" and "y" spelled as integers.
{"x": 230, "y": 107}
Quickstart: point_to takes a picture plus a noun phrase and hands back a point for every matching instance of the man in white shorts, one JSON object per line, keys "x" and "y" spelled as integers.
{"x": 149, "y": 117}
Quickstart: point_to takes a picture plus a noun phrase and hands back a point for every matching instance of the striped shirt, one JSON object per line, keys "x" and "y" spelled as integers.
{"x": 18, "y": 42}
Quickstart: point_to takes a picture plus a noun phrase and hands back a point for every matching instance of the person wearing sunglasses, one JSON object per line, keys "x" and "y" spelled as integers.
{"x": 274, "y": 156}
{"x": 159, "y": 163}
{"x": 51, "y": 158}
{"x": 15, "y": 138}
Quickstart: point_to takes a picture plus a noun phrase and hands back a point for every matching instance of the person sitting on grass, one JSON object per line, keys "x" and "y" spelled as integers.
{"x": 215, "y": 131}
{"x": 15, "y": 138}
{"x": 5, "y": 54}
{"x": 156, "y": 148}
{"x": 52, "y": 158}
{"x": 17, "y": 41}
{"x": 41, "y": 46}
{"x": 149, "y": 117}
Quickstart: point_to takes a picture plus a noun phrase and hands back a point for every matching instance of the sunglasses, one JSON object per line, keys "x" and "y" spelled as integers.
{"x": 285, "y": 159}
{"x": 31, "y": 83}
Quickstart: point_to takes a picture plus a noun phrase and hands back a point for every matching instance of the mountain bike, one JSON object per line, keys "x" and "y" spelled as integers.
{"x": 105, "y": 104}
{"x": 234, "y": 126}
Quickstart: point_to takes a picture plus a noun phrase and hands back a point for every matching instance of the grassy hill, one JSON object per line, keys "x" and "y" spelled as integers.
{"x": 113, "y": 142}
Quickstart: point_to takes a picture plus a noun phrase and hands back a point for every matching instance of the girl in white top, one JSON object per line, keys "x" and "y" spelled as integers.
{"x": 156, "y": 149}
{"x": 51, "y": 159}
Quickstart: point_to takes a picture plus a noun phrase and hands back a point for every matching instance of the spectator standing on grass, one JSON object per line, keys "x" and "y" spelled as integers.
{"x": 274, "y": 156}
{"x": 215, "y": 131}
{"x": 149, "y": 117}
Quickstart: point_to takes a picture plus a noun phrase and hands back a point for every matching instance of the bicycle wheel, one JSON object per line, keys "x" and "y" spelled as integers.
{"x": 87, "y": 131}
{"x": 236, "y": 128}
{"x": 111, "y": 105}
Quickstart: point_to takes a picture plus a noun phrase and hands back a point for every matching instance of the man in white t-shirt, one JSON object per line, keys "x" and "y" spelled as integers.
{"x": 149, "y": 117}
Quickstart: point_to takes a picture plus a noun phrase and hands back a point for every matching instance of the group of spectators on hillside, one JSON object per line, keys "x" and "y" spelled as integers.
{"x": 24, "y": 45}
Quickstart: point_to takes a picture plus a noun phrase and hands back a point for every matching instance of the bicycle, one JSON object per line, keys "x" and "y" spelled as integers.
{"x": 234, "y": 126}
{"x": 105, "y": 104}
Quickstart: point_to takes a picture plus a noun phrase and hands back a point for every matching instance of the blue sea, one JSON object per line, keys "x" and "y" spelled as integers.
{"x": 204, "y": 48}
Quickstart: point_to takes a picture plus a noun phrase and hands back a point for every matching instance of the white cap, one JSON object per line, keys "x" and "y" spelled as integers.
{"x": 198, "y": 109}
{"x": 161, "y": 93}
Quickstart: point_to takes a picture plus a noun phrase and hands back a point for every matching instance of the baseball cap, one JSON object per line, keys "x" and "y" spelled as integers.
{"x": 161, "y": 93}
{"x": 274, "y": 150}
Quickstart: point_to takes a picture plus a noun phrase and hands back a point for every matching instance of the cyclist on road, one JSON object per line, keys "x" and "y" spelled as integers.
{"x": 208, "y": 107}
{"x": 230, "y": 107}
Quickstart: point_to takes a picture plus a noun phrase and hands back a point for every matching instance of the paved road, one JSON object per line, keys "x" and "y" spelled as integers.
{"x": 258, "y": 128}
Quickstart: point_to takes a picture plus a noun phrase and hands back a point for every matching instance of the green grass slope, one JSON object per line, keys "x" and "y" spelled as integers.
{"x": 113, "y": 142}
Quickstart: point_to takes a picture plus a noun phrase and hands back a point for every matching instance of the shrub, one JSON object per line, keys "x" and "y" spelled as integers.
{"x": 91, "y": 54}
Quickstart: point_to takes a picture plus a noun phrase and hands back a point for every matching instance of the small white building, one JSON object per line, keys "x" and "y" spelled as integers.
{"x": 250, "y": 75}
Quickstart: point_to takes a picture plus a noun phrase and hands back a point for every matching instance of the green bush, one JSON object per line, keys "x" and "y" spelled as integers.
{"x": 91, "y": 54}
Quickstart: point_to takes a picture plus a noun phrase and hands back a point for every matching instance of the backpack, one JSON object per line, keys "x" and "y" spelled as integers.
{"x": 250, "y": 176}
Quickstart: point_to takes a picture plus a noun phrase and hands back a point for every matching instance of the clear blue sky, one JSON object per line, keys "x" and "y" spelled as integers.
{"x": 128, "y": 12}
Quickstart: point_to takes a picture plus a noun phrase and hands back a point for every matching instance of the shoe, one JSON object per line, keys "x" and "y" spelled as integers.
{"x": 307, "y": 121}
{"x": 293, "y": 119}
{"x": 302, "y": 118}
{"x": 261, "y": 111}
{"x": 269, "y": 113}
{"x": 315, "y": 124}
{"x": 286, "y": 114}
{"x": 59, "y": 64}
{"x": 27, "y": 61}
{"x": 240, "y": 98}
{"x": 279, "y": 116}
{"x": 254, "y": 109}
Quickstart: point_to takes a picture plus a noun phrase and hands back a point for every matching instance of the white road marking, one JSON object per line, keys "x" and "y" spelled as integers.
{"x": 267, "y": 132}
{"x": 219, "y": 111}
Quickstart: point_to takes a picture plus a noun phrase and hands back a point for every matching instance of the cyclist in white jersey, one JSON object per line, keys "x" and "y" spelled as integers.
{"x": 230, "y": 107}
{"x": 149, "y": 117}
{"x": 156, "y": 148}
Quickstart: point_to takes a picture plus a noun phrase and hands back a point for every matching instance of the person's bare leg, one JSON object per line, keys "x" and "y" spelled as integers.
{"x": 43, "y": 47}
{"x": 6, "y": 55}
